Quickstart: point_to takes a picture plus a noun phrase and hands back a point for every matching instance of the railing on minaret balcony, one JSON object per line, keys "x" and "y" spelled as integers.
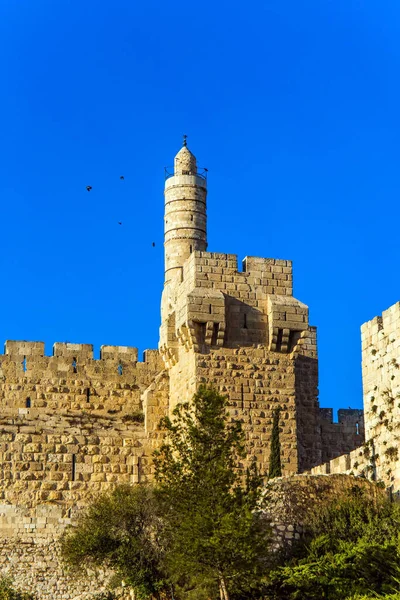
{"x": 169, "y": 172}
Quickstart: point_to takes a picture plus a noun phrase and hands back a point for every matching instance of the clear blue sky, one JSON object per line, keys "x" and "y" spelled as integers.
{"x": 294, "y": 107}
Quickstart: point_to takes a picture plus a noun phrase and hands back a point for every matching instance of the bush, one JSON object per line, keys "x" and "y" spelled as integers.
{"x": 350, "y": 547}
{"x": 121, "y": 530}
{"x": 7, "y": 592}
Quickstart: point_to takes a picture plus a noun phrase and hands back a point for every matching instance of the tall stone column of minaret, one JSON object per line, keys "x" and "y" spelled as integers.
{"x": 185, "y": 229}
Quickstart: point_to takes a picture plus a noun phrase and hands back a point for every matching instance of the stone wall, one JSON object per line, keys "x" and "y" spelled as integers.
{"x": 381, "y": 390}
{"x": 289, "y": 500}
{"x": 245, "y": 333}
{"x": 341, "y": 437}
{"x": 30, "y": 555}
{"x": 378, "y": 457}
{"x": 71, "y": 379}
{"x": 72, "y": 426}
{"x": 30, "y": 548}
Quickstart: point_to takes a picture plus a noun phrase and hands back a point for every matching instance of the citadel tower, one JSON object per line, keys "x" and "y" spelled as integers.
{"x": 218, "y": 323}
{"x": 72, "y": 426}
{"x": 185, "y": 212}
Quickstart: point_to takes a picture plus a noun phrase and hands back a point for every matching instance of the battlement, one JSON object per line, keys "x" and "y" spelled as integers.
{"x": 382, "y": 325}
{"x": 274, "y": 276}
{"x": 20, "y": 350}
{"x": 341, "y": 437}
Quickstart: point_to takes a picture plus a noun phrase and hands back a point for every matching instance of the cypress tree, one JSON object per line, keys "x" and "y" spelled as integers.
{"x": 275, "y": 467}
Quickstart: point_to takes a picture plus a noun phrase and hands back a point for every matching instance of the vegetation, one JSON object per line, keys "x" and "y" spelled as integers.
{"x": 136, "y": 417}
{"x": 351, "y": 547}
{"x": 122, "y": 530}
{"x": 7, "y": 592}
{"x": 218, "y": 541}
{"x": 199, "y": 533}
{"x": 275, "y": 467}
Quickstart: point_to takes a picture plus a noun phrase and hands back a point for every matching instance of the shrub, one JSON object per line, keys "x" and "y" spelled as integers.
{"x": 392, "y": 453}
{"x": 136, "y": 417}
{"x": 7, "y": 592}
{"x": 350, "y": 547}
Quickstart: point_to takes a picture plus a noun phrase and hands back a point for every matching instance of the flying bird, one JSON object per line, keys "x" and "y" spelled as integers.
{"x": 153, "y": 244}
{"x": 122, "y": 177}
{"x": 88, "y": 187}
{"x": 119, "y": 222}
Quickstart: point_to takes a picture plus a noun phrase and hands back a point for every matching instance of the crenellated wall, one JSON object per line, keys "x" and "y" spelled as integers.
{"x": 245, "y": 333}
{"x": 72, "y": 379}
{"x": 72, "y": 426}
{"x": 345, "y": 435}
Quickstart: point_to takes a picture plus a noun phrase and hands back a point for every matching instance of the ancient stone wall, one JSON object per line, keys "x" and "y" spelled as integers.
{"x": 381, "y": 389}
{"x": 341, "y": 437}
{"x": 72, "y": 426}
{"x": 72, "y": 380}
{"x": 30, "y": 554}
{"x": 378, "y": 457}
{"x": 291, "y": 501}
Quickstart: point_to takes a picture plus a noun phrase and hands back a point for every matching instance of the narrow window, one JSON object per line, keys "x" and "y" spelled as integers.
{"x": 87, "y": 394}
{"x": 279, "y": 340}
{"x": 74, "y": 364}
{"x": 200, "y": 329}
{"x": 191, "y": 217}
{"x": 357, "y": 429}
{"x": 245, "y": 321}
{"x": 73, "y": 467}
{"x": 24, "y": 364}
{"x": 214, "y": 336}
{"x": 210, "y": 309}
{"x": 242, "y": 394}
{"x": 28, "y": 403}
{"x": 139, "y": 468}
{"x": 190, "y": 249}
{"x": 120, "y": 369}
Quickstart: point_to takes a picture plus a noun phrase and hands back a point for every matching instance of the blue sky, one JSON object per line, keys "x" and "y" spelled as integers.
{"x": 292, "y": 106}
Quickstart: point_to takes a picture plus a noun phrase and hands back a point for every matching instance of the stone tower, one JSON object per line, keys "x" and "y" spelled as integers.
{"x": 185, "y": 221}
{"x": 241, "y": 331}
{"x": 73, "y": 426}
{"x": 185, "y": 213}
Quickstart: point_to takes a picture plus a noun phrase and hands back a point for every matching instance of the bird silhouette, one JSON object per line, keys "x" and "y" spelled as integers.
{"x": 122, "y": 177}
{"x": 88, "y": 187}
{"x": 119, "y": 223}
{"x": 153, "y": 244}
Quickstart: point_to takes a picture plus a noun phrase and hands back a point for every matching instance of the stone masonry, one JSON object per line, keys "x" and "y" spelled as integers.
{"x": 378, "y": 458}
{"x": 72, "y": 427}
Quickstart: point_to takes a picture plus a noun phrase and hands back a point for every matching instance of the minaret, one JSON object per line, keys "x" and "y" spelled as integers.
{"x": 185, "y": 227}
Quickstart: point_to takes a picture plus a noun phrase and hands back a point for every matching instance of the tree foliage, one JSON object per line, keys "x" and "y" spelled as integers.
{"x": 275, "y": 467}
{"x": 350, "y": 547}
{"x": 218, "y": 542}
{"x": 7, "y": 592}
{"x": 121, "y": 529}
{"x": 199, "y": 532}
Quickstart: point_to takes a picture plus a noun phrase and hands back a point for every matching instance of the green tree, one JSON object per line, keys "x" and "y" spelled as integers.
{"x": 7, "y": 592}
{"x": 350, "y": 546}
{"x": 121, "y": 529}
{"x": 217, "y": 539}
{"x": 275, "y": 467}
